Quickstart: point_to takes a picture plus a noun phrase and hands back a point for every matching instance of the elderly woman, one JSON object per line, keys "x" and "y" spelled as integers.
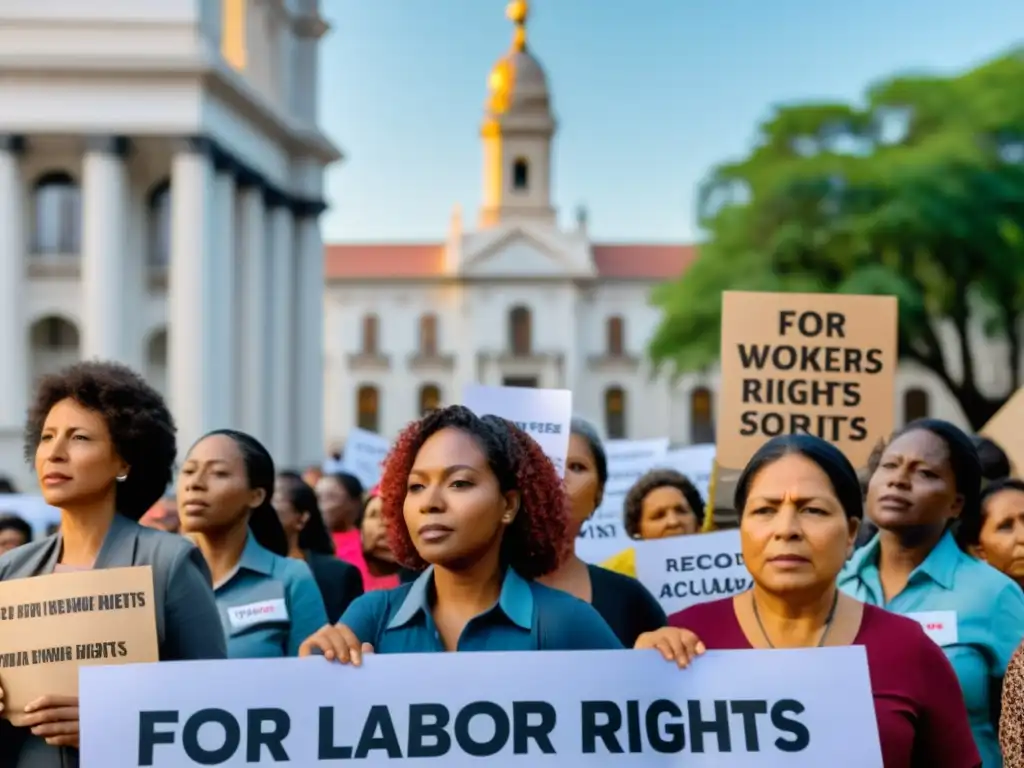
{"x": 997, "y": 535}
{"x": 925, "y": 483}
{"x": 800, "y": 508}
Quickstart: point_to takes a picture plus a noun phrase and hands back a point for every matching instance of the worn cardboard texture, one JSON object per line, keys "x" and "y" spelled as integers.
{"x": 796, "y": 362}
{"x": 1006, "y": 429}
{"x": 52, "y": 625}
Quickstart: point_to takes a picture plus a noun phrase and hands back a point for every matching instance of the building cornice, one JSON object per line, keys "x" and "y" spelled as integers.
{"x": 213, "y": 73}
{"x": 224, "y": 161}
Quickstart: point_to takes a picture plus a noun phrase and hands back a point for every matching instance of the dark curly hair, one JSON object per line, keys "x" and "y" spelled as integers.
{"x": 538, "y": 540}
{"x": 633, "y": 504}
{"x": 140, "y": 424}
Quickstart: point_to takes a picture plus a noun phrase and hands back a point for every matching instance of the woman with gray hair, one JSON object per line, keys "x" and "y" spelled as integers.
{"x": 623, "y": 602}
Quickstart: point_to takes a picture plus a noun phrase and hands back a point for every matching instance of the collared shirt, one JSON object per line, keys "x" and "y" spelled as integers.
{"x": 268, "y": 605}
{"x": 969, "y": 608}
{"x": 527, "y": 617}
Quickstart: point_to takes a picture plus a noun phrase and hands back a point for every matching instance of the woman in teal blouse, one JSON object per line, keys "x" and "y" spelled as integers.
{"x": 268, "y": 602}
{"x": 476, "y": 503}
{"x": 926, "y": 478}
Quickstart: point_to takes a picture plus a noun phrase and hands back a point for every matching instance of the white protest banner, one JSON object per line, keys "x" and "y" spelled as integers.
{"x": 686, "y": 570}
{"x": 769, "y": 709}
{"x": 364, "y": 452}
{"x": 635, "y": 450}
{"x": 544, "y": 414}
{"x": 32, "y": 509}
{"x": 696, "y": 462}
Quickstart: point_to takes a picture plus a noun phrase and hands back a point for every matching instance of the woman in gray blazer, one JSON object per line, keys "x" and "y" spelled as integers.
{"x": 102, "y": 443}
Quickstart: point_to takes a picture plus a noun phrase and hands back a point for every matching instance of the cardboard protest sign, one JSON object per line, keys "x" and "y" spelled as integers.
{"x": 364, "y": 455}
{"x": 52, "y": 625}
{"x": 688, "y": 570}
{"x": 771, "y": 709}
{"x": 1006, "y": 429}
{"x": 823, "y": 364}
{"x": 544, "y": 414}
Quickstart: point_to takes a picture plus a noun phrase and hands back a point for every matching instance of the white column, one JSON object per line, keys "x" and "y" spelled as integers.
{"x": 197, "y": 363}
{"x": 309, "y": 362}
{"x": 226, "y": 324}
{"x": 254, "y": 298}
{"x": 104, "y": 237}
{"x": 14, "y": 376}
{"x": 282, "y": 332}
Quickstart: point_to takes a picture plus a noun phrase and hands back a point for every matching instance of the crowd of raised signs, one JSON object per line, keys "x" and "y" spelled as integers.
{"x": 897, "y": 591}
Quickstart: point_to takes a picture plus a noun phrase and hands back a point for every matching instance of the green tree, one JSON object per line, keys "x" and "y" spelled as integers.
{"x": 919, "y": 193}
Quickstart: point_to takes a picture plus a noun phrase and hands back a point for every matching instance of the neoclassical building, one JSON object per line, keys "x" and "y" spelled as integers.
{"x": 161, "y": 175}
{"x": 514, "y": 298}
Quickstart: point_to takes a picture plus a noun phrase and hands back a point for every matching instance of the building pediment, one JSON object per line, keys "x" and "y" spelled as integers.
{"x": 523, "y": 252}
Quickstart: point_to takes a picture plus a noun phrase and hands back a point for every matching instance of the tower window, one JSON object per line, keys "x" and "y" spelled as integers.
{"x": 520, "y": 174}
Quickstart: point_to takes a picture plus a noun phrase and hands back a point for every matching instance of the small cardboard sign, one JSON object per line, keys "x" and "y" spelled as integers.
{"x": 1004, "y": 429}
{"x": 52, "y": 625}
{"x": 822, "y": 364}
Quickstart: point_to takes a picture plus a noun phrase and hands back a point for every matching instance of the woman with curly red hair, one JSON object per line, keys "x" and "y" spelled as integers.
{"x": 475, "y": 502}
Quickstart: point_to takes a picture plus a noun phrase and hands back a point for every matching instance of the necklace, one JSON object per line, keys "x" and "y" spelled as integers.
{"x": 824, "y": 634}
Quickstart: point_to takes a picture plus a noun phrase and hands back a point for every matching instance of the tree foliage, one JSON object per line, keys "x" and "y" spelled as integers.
{"x": 919, "y": 193}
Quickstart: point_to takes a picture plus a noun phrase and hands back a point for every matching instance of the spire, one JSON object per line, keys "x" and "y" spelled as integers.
{"x": 518, "y": 12}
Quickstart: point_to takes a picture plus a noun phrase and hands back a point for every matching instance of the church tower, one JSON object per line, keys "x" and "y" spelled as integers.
{"x": 517, "y": 133}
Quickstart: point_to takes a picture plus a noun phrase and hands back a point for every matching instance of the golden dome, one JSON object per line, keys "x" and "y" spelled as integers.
{"x": 517, "y": 78}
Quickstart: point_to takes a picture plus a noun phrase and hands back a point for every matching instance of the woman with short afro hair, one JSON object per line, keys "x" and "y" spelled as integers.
{"x": 661, "y": 504}
{"x": 102, "y": 442}
{"x": 475, "y": 502}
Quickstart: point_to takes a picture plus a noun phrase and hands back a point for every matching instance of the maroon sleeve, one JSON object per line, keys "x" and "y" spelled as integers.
{"x": 943, "y": 738}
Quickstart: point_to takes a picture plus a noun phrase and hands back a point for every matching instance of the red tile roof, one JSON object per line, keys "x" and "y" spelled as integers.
{"x": 411, "y": 261}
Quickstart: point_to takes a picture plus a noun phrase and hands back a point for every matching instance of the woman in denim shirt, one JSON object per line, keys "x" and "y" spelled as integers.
{"x": 269, "y": 603}
{"x": 926, "y": 478}
{"x": 476, "y": 503}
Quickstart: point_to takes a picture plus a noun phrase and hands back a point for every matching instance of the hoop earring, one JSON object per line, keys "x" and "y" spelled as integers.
{"x": 121, "y": 478}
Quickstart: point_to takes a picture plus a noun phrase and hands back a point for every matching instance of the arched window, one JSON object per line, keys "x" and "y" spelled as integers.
{"x": 519, "y": 331}
{"x": 615, "y": 413}
{"x": 54, "y": 345}
{"x": 428, "y": 335}
{"x": 616, "y": 333}
{"x": 430, "y": 398}
{"x": 371, "y": 327}
{"x": 702, "y": 421}
{"x": 368, "y": 408}
{"x": 58, "y": 215}
{"x": 520, "y": 174}
{"x": 156, "y": 360}
{"x": 915, "y": 405}
{"x": 158, "y": 212}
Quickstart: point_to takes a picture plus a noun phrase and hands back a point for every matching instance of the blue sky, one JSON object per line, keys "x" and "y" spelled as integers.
{"x": 648, "y": 99}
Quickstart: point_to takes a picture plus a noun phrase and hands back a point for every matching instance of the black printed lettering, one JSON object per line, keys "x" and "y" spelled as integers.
{"x": 149, "y": 736}
{"x": 781, "y": 719}
{"x": 231, "y": 740}
{"x": 693, "y": 726}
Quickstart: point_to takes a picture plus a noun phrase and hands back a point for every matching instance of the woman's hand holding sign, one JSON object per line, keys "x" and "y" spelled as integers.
{"x": 675, "y": 644}
{"x": 53, "y": 718}
{"x": 336, "y": 642}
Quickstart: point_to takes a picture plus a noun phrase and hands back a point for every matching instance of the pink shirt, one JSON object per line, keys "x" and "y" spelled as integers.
{"x": 348, "y": 546}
